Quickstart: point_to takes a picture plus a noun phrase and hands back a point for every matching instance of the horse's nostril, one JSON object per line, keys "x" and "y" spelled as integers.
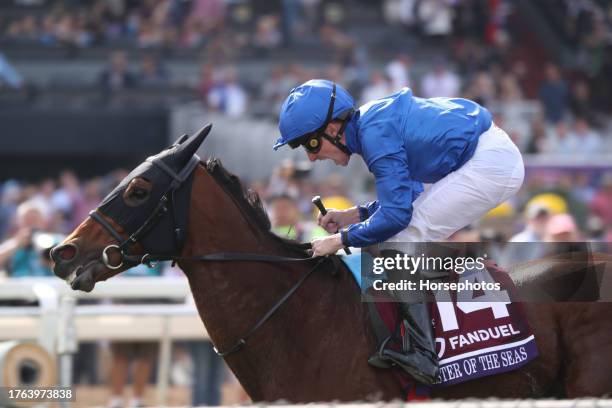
{"x": 64, "y": 253}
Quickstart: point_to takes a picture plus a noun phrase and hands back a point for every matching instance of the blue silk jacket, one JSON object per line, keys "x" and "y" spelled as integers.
{"x": 406, "y": 141}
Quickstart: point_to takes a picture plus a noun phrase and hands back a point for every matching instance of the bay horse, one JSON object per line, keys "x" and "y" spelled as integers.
{"x": 314, "y": 345}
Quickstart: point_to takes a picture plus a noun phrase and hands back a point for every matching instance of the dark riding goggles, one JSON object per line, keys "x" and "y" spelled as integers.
{"x": 311, "y": 142}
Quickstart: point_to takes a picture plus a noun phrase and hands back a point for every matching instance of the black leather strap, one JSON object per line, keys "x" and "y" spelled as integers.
{"x": 185, "y": 172}
{"x": 219, "y": 257}
{"x": 94, "y": 214}
{"x": 243, "y": 340}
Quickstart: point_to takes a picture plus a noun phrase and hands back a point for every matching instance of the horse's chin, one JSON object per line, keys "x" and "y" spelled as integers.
{"x": 84, "y": 278}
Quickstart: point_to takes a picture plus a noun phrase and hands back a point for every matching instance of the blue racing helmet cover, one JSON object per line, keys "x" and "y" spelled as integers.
{"x": 305, "y": 109}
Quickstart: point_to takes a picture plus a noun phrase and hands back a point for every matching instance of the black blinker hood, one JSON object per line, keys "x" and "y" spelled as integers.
{"x": 167, "y": 235}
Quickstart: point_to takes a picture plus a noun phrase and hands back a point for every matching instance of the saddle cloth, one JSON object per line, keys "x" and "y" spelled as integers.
{"x": 478, "y": 333}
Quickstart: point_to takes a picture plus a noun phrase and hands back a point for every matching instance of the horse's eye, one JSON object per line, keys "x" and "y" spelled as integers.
{"x": 139, "y": 193}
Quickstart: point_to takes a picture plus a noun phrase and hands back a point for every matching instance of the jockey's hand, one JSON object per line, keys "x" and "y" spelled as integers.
{"x": 336, "y": 219}
{"x": 326, "y": 245}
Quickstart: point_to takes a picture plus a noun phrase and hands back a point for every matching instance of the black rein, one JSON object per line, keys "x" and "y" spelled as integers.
{"x": 150, "y": 259}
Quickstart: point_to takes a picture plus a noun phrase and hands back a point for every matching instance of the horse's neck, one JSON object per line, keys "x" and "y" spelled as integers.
{"x": 217, "y": 224}
{"x": 321, "y": 319}
{"x": 230, "y": 296}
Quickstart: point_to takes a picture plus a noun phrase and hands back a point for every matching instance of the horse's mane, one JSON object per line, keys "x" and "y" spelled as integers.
{"x": 250, "y": 203}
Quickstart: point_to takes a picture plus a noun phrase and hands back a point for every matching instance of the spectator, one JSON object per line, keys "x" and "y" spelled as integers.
{"x": 141, "y": 354}
{"x": 440, "y": 82}
{"x": 65, "y": 198}
{"x": 285, "y": 217}
{"x": 559, "y": 140}
{"x": 228, "y": 96}
{"x": 9, "y": 76}
{"x": 10, "y": 196}
{"x": 207, "y": 82}
{"x": 64, "y": 29}
{"x": 210, "y": 14}
{"x": 512, "y": 106}
{"x": 595, "y": 231}
{"x": 150, "y": 34}
{"x": 25, "y": 253}
{"x": 27, "y": 29}
{"x": 482, "y": 89}
{"x": 291, "y": 22}
{"x": 342, "y": 44}
{"x": 580, "y": 102}
{"x": 537, "y": 138}
{"x": 554, "y": 95}
{"x": 193, "y": 34}
{"x": 379, "y": 87}
{"x": 208, "y": 374}
{"x": 117, "y": 76}
{"x": 44, "y": 195}
{"x": 587, "y": 140}
{"x": 89, "y": 200}
{"x": 274, "y": 90}
{"x": 398, "y": 71}
{"x": 436, "y": 17}
{"x": 284, "y": 181}
{"x": 83, "y": 35}
{"x": 407, "y": 14}
{"x": 152, "y": 72}
{"x": 294, "y": 75}
{"x": 537, "y": 217}
{"x": 561, "y": 228}
{"x": 143, "y": 357}
{"x": 510, "y": 90}
{"x": 47, "y": 35}
{"x": 601, "y": 205}
{"x": 582, "y": 187}
{"x": 267, "y": 34}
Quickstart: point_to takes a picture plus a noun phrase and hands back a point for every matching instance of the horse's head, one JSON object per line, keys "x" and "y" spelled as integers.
{"x": 146, "y": 213}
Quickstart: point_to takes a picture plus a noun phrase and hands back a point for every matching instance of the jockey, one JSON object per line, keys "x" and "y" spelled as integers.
{"x": 450, "y": 143}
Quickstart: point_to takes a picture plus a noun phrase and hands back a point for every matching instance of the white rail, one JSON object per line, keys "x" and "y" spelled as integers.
{"x": 59, "y": 324}
{"x": 133, "y": 288}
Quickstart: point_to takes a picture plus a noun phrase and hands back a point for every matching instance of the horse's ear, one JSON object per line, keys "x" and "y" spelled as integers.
{"x": 189, "y": 146}
{"x": 181, "y": 140}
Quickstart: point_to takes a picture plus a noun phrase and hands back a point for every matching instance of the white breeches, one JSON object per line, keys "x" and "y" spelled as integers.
{"x": 494, "y": 174}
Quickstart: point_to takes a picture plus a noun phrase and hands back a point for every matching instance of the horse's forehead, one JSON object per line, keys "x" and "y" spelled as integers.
{"x": 145, "y": 170}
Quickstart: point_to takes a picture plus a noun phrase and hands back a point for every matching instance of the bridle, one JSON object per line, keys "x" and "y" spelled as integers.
{"x": 167, "y": 205}
{"x": 150, "y": 222}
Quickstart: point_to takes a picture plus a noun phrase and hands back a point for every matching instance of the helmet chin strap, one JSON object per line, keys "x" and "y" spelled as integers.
{"x": 336, "y": 140}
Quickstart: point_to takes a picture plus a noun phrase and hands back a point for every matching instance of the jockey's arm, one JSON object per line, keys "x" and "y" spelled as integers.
{"x": 394, "y": 188}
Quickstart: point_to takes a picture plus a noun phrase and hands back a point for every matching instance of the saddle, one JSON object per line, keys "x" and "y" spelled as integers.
{"x": 477, "y": 335}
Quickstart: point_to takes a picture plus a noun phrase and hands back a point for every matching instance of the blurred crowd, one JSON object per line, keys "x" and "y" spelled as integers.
{"x": 544, "y": 107}
{"x": 149, "y": 23}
